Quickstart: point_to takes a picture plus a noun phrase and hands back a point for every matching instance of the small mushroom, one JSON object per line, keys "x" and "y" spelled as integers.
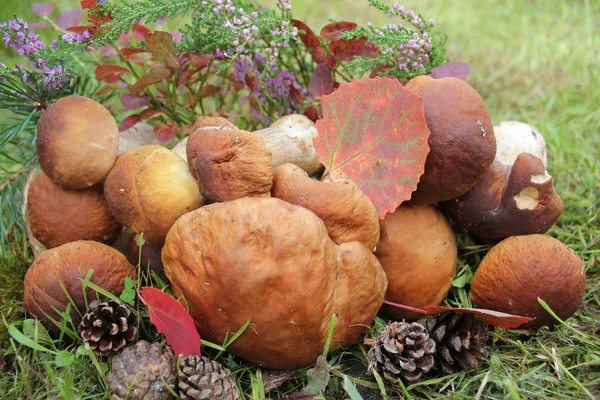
{"x": 417, "y": 250}
{"x": 149, "y": 188}
{"x": 149, "y": 256}
{"x": 229, "y": 163}
{"x": 462, "y": 138}
{"x": 141, "y": 134}
{"x": 77, "y": 142}
{"x": 521, "y": 269}
{"x": 347, "y": 212}
{"x": 514, "y": 138}
{"x": 509, "y": 200}
{"x": 291, "y": 141}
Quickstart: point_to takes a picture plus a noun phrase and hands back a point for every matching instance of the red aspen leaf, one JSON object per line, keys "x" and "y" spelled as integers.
{"x": 130, "y": 51}
{"x": 69, "y": 18}
{"x": 321, "y": 81}
{"x": 334, "y": 30}
{"x": 452, "y": 69}
{"x": 346, "y": 50}
{"x": 374, "y": 133}
{"x": 124, "y": 37}
{"x": 151, "y": 113}
{"x": 296, "y": 96}
{"x": 132, "y": 101}
{"x": 173, "y": 321}
{"x": 166, "y": 131}
{"x": 161, "y": 46}
{"x": 489, "y": 317}
{"x": 156, "y": 75}
{"x": 42, "y": 9}
{"x": 322, "y": 56}
{"x": 308, "y": 37}
{"x": 109, "y": 73}
{"x": 140, "y": 32}
{"x": 129, "y": 122}
{"x": 381, "y": 69}
{"x": 208, "y": 91}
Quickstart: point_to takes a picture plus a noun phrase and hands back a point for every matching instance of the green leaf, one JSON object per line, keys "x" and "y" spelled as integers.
{"x": 351, "y": 389}
{"x": 128, "y": 294}
{"x": 63, "y": 358}
{"x": 25, "y": 341}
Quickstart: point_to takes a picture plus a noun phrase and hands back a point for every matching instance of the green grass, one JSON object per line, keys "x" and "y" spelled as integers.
{"x": 534, "y": 61}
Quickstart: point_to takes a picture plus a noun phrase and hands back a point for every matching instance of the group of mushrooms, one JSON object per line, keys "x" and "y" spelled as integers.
{"x": 236, "y": 223}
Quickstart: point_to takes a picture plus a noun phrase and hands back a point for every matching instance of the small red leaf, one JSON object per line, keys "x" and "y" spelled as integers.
{"x": 452, "y": 69}
{"x": 308, "y": 37}
{"x": 109, "y": 73}
{"x": 82, "y": 29}
{"x": 132, "y": 102}
{"x": 334, "y": 30}
{"x": 173, "y": 321}
{"x": 130, "y": 51}
{"x": 490, "y": 317}
{"x": 42, "y": 9}
{"x": 69, "y": 18}
{"x": 161, "y": 46}
{"x": 346, "y": 50}
{"x": 140, "y": 32}
{"x": 89, "y": 4}
{"x": 156, "y": 75}
{"x": 129, "y": 122}
{"x": 374, "y": 132}
{"x": 166, "y": 131}
{"x": 209, "y": 90}
{"x": 312, "y": 113}
{"x": 151, "y": 113}
{"x": 321, "y": 82}
{"x": 322, "y": 56}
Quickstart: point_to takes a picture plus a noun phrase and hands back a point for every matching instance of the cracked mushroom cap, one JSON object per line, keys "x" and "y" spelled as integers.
{"x": 77, "y": 142}
{"x": 462, "y": 139}
{"x": 347, "y": 212}
{"x": 271, "y": 262}
{"x": 66, "y": 266}
{"x": 229, "y": 163}
{"x": 508, "y": 200}
{"x": 57, "y": 216}
{"x": 521, "y": 269}
{"x": 149, "y": 188}
{"x": 418, "y": 253}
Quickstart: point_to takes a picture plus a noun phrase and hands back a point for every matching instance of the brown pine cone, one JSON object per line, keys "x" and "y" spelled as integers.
{"x": 108, "y": 326}
{"x": 201, "y": 378}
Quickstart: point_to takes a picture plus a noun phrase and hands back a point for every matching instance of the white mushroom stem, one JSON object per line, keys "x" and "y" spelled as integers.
{"x": 514, "y": 138}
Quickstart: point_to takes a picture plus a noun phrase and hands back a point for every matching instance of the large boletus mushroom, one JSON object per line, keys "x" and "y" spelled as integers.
{"x": 462, "y": 139}
{"x": 77, "y": 142}
{"x": 272, "y": 263}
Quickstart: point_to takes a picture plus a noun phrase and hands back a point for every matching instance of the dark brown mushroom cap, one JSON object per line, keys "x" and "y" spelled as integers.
{"x": 347, "y": 212}
{"x": 77, "y": 142}
{"x": 520, "y": 269}
{"x": 508, "y": 200}
{"x": 229, "y": 163}
{"x": 272, "y": 263}
{"x": 57, "y": 216}
{"x": 462, "y": 139}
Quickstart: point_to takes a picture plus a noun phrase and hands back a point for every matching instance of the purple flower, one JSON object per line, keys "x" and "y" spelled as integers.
{"x": 14, "y": 25}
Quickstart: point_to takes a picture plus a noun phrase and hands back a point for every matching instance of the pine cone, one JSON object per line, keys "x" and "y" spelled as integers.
{"x": 143, "y": 371}
{"x": 402, "y": 350}
{"x": 460, "y": 341}
{"x": 201, "y": 378}
{"x": 108, "y": 326}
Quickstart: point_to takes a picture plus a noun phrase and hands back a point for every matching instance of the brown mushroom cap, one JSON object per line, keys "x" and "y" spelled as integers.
{"x": 418, "y": 253}
{"x": 149, "y": 188}
{"x": 520, "y": 269}
{"x": 66, "y": 266}
{"x": 229, "y": 163}
{"x": 77, "y": 142}
{"x": 57, "y": 216}
{"x": 462, "y": 139}
{"x": 272, "y": 263}
{"x": 347, "y": 212}
{"x": 508, "y": 200}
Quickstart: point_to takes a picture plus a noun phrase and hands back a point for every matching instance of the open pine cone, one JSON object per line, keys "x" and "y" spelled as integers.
{"x": 108, "y": 326}
{"x": 201, "y": 378}
{"x": 402, "y": 350}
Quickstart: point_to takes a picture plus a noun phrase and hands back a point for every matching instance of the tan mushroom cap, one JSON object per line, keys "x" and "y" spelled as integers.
{"x": 77, "y": 142}
{"x": 462, "y": 139}
{"x": 67, "y": 266}
{"x": 272, "y": 263}
{"x": 229, "y": 163}
{"x": 418, "y": 253}
{"x": 347, "y": 212}
{"x": 57, "y": 216}
{"x": 521, "y": 269}
{"x": 149, "y": 188}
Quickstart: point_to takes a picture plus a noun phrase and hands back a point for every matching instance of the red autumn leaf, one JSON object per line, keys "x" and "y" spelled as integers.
{"x": 97, "y": 20}
{"x": 105, "y": 90}
{"x": 452, "y": 69}
{"x": 42, "y": 9}
{"x": 322, "y": 56}
{"x": 161, "y": 46}
{"x": 308, "y": 37}
{"x": 378, "y": 70}
{"x": 209, "y": 90}
{"x": 69, "y": 18}
{"x": 166, "y": 131}
{"x": 129, "y": 122}
{"x": 173, "y": 321}
{"x": 156, "y": 75}
{"x": 82, "y": 29}
{"x": 89, "y": 4}
{"x": 109, "y": 73}
{"x": 321, "y": 82}
{"x": 346, "y": 50}
{"x": 151, "y": 113}
{"x": 374, "y": 133}
{"x": 130, "y": 51}
{"x": 140, "y": 32}
{"x": 490, "y": 317}
{"x": 312, "y": 113}
{"x": 295, "y": 96}
{"x": 132, "y": 101}
{"x": 334, "y": 30}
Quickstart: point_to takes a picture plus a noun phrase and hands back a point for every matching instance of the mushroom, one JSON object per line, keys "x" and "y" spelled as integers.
{"x": 141, "y": 134}
{"x": 54, "y": 280}
{"x": 508, "y": 200}
{"x": 57, "y": 216}
{"x": 149, "y": 188}
{"x": 347, "y": 212}
{"x": 514, "y": 138}
{"x": 271, "y": 263}
{"x": 521, "y": 269}
{"x": 462, "y": 138}
{"x": 77, "y": 142}
{"x": 291, "y": 141}
{"x": 180, "y": 148}
{"x": 229, "y": 163}
{"x": 149, "y": 256}
{"x": 418, "y": 253}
